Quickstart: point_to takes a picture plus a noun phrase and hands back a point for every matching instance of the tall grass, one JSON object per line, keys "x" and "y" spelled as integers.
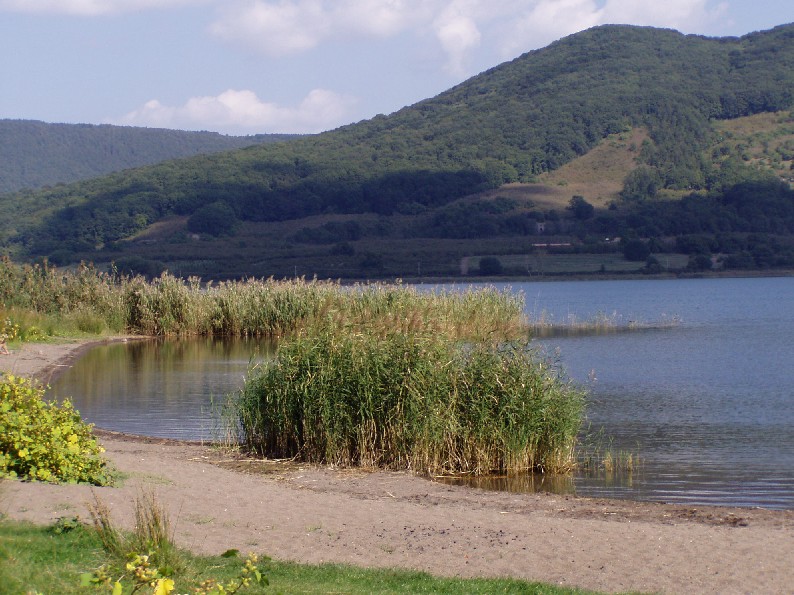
{"x": 88, "y": 300}
{"x": 411, "y": 400}
{"x": 84, "y": 301}
{"x": 152, "y": 532}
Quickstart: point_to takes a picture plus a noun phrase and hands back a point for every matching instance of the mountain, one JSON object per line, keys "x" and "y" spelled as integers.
{"x": 469, "y": 174}
{"x": 34, "y": 154}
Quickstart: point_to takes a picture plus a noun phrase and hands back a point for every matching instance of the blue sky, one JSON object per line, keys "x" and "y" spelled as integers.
{"x": 263, "y": 66}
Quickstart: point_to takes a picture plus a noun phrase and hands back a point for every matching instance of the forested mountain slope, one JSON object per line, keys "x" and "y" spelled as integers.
{"x": 34, "y": 154}
{"x": 409, "y": 170}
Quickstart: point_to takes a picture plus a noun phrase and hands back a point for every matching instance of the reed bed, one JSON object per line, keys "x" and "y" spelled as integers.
{"x": 411, "y": 400}
{"x": 90, "y": 300}
{"x": 377, "y": 375}
{"x": 477, "y": 315}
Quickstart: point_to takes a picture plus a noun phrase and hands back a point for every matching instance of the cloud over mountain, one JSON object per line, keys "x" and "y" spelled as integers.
{"x": 241, "y": 111}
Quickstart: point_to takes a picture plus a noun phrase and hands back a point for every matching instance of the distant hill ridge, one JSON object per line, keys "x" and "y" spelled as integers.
{"x": 34, "y": 154}
{"x": 409, "y": 171}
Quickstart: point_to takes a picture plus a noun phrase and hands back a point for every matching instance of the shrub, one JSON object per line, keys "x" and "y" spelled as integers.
{"x": 490, "y": 265}
{"x": 216, "y": 219}
{"x": 42, "y": 440}
{"x": 636, "y": 250}
{"x": 580, "y": 208}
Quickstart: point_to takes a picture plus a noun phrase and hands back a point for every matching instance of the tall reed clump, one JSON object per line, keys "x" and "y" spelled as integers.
{"x": 408, "y": 393}
{"x": 84, "y": 300}
{"x": 477, "y": 315}
{"x": 269, "y": 307}
{"x": 89, "y": 300}
{"x": 167, "y": 306}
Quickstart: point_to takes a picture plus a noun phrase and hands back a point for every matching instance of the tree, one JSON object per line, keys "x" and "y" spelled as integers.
{"x": 216, "y": 219}
{"x": 641, "y": 184}
{"x": 636, "y": 250}
{"x": 580, "y": 208}
{"x": 490, "y": 265}
{"x": 699, "y": 262}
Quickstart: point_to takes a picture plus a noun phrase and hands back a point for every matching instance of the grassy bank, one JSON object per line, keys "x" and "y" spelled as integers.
{"x": 38, "y": 559}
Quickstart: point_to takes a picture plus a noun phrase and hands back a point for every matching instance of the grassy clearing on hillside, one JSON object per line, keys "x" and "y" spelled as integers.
{"x": 765, "y": 141}
{"x": 598, "y": 175}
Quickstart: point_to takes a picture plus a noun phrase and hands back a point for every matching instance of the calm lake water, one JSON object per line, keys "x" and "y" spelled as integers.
{"x": 704, "y": 395}
{"x": 169, "y": 389}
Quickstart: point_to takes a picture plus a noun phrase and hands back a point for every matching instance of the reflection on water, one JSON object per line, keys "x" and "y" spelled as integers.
{"x": 530, "y": 482}
{"x": 169, "y": 389}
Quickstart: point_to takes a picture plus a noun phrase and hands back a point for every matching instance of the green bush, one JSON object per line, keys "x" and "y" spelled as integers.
{"x": 490, "y": 265}
{"x": 42, "y": 440}
{"x": 216, "y": 219}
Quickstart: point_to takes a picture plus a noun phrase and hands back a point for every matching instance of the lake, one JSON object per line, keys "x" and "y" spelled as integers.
{"x": 168, "y": 389}
{"x": 697, "y": 379}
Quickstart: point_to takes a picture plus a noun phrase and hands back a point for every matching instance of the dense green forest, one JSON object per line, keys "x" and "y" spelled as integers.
{"x": 35, "y": 154}
{"x": 428, "y": 190}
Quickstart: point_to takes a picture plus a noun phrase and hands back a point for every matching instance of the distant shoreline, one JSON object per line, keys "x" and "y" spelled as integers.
{"x": 580, "y": 277}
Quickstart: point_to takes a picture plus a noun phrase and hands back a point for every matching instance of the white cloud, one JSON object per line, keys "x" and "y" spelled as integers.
{"x": 539, "y": 22}
{"x": 458, "y": 33}
{"x": 289, "y": 26}
{"x": 283, "y": 27}
{"x": 459, "y": 27}
{"x": 543, "y": 21}
{"x": 242, "y": 112}
{"x": 273, "y": 29}
{"x": 685, "y": 15}
{"x": 88, "y": 7}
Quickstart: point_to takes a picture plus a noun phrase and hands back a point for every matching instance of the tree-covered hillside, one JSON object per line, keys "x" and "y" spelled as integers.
{"x": 408, "y": 172}
{"x": 35, "y": 154}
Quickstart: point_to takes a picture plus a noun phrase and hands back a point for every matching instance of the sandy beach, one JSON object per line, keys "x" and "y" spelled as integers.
{"x": 220, "y": 500}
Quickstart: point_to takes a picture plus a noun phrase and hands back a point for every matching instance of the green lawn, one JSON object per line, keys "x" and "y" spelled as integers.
{"x": 36, "y": 559}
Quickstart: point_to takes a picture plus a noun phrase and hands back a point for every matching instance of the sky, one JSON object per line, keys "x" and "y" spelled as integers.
{"x": 293, "y": 66}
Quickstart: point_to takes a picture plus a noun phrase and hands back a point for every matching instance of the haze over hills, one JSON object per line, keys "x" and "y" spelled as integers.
{"x": 34, "y": 154}
{"x": 478, "y": 171}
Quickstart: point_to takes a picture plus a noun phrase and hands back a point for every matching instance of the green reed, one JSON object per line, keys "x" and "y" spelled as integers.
{"x": 378, "y": 375}
{"x": 411, "y": 400}
{"x": 89, "y": 300}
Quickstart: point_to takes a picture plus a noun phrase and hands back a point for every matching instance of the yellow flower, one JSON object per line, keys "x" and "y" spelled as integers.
{"x": 163, "y": 586}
